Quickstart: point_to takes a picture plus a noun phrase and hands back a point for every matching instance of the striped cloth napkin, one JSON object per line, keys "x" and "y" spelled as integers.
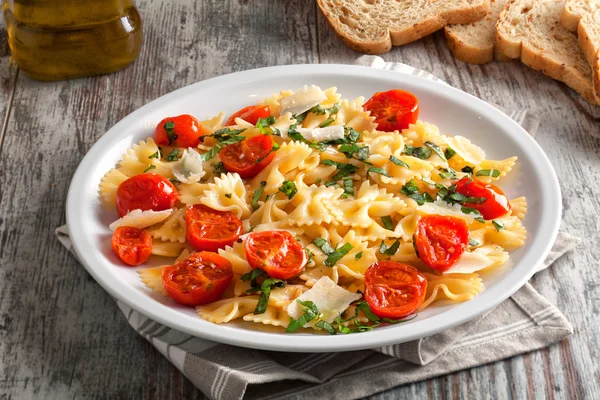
{"x": 523, "y": 323}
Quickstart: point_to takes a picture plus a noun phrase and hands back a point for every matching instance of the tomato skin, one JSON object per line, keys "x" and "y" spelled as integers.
{"x": 441, "y": 240}
{"x": 394, "y": 290}
{"x": 275, "y": 252}
{"x": 393, "y": 110}
{"x": 250, "y": 114}
{"x": 187, "y": 128}
{"x": 254, "y": 149}
{"x": 211, "y": 230}
{"x": 199, "y": 279}
{"x": 495, "y": 206}
{"x": 132, "y": 245}
{"x": 146, "y": 192}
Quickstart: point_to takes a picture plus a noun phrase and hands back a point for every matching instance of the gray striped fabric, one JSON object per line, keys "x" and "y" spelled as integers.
{"x": 523, "y": 323}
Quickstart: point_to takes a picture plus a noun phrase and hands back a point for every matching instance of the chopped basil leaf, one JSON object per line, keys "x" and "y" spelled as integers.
{"x": 350, "y": 150}
{"x": 170, "y": 125}
{"x": 348, "y": 187}
{"x": 319, "y": 180}
{"x": 154, "y": 155}
{"x": 499, "y": 225}
{"x": 264, "y": 125}
{"x": 364, "y": 306}
{"x": 169, "y": 128}
{"x": 219, "y": 168}
{"x": 337, "y": 255}
{"x": 173, "y": 156}
{"x": 391, "y": 250}
{"x": 363, "y": 153}
{"x": 150, "y": 168}
{"x": 494, "y": 173}
{"x": 326, "y": 326}
{"x": 327, "y": 122}
{"x": 289, "y": 189}
{"x": 300, "y": 117}
{"x": 323, "y": 245}
{"x": 447, "y": 173}
{"x": 436, "y": 149}
{"x": 319, "y": 110}
{"x": 223, "y": 134}
{"x": 226, "y": 141}
{"x": 174, "y": 181}
{"x": 478, "y": 216}
{"x": 410, "y": 187}
{"x": 309, "y": 255}
{"x": 310, "y": 312}
{"x": 273, "y": 149}
{"x": 257, "y": 194}
{"x": 387, "y": 222}
{"x": 358, "y": 256}
{"x": 473, "y": 243}
{"x": 419, "y": 152}
{"x": 332, "y": 183}
{"x": 421, "y": 198}
{"x": 253, "y": 275}
{"x": 210, "y": 153}
{"x": 467, "y": 170}
{"x": 228, "y": 195}
{"x": 399, "y": 162}
{"x": 343, "y": 169}
{"x": 449, "y": 153}
{"x": 377, "y": 170}
{"x": 265, "y": 292}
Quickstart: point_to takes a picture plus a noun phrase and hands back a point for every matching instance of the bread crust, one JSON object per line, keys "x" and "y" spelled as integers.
{"x": 466, "y": 53}
{"x": 397, "y": 38}
{"x": 536, "y": 59}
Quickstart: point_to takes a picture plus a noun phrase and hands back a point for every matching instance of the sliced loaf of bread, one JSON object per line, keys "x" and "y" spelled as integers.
{"x": 531, "y": 31}
{"x": 474, "y": 43}
{"x": 583, "y": 17}
{"x": 373, "y": 26}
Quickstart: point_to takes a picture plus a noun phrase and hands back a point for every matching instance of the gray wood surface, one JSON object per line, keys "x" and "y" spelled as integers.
{"x": 62, "y": 336}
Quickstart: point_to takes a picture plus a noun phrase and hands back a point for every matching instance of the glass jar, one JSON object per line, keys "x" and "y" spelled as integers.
{"x": 62, "y": 39}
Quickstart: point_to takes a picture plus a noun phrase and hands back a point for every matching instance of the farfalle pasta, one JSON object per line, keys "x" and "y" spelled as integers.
{"x": 313, "y": 211}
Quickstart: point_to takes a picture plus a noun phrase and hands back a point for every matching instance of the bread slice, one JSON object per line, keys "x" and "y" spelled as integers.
{"x": 531, "y": 30}
{"x": 373, "y": 26}
{"x": 474, "y": 43}
{"x": 583, "y": 17}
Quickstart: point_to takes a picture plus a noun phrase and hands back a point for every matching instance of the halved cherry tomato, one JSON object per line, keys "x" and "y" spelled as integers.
{"x": 132, "y": 245}
{"x": 180, "y": 131}
{"x": 275, "y": 252}
{"x": 394, "y": 290}
{"x": 146, "y": 192}
{"x": 211, "y": 230}
{"x": 496, "y": 203}
{"x": 393, "y": 110}
{"x": 248, "y": 157}
{"x": 199, "y": 279}
{"x": 250, "y": 114}
{"x": 441, "y": 240}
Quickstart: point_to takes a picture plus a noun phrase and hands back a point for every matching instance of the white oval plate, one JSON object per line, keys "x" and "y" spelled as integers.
{"x": 453, "y": 111}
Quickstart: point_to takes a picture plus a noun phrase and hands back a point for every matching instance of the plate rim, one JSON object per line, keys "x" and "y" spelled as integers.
{"x": 321, "y": 343}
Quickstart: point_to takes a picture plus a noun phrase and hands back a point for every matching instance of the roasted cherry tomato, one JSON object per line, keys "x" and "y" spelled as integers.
{"x": 250, "y": 114}
{"x": 275, "y": 252}
{"x": 496, "y": 203}
{"x": 248, "y": 157}
{"x": 393, "y": 110}
{"x": 146, "y": 192}
{"x": 181, "y": 131}
{"x": 441, "y": 240}
{"x": 394, "y": 290}
{"x": 132, "y": 245}
{"x": 199, "y": 279}
{"x": 211, "y": 230}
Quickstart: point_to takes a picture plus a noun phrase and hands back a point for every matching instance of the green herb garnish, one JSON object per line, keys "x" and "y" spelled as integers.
{"x": 173, "y": 156}
{"x": 399, "y": 162}
{"x": 358, "y": 256}
{"x": 391, "y": 250}
{"x": 265, "y": 291}
{"x": 323, "y": 245}
{"x": 419, "y": 152}
{"x": 449, "y": 153}
{"x": 499, "y": 225}
{"x": 257, "y": 194}
{"x": 150, "y": 168}
{"x": 387, "y": 222}
{"x": 219, "y": 168}
{"x": 327, "y": 122}
{"x": 337, "y": 255}
{"x": 326, "y": 326}
{"x": 473, "y": 243}
{"x": 156, "y": 154}
{"x": 310, "y": 312}
{"x": 343, "y": 169}
{"x": 377, "y": 170}
{"x": 494, "y": 173}
{"x": 436, "y": 149}
{"x": 170, "y": 130}
{"x": 289, "y": 189}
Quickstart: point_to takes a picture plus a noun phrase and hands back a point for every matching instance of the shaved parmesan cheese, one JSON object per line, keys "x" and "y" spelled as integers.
{"x": 303, "y": 100}
{"x": 469, "y": 263}
{"x": 442, "y": 208}
{"x": 189, "y": 169}
{"x": 319, "y": 134}
{"x": 330, "y": 299}
{"x": 141, "y": 219}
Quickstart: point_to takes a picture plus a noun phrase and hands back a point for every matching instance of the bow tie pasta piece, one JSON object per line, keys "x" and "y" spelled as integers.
{"x": 281, "y": 297}
{"x": 227, "y": 193}
{"x": 227, "y": 310}
{"x": 173, "y": 229}
{"x": 353, "y": 115}
{"x": 273, "y": 315}
{"x": 236, "y": 255}
{"x": 289, "y": 156}
{"x": 507, "y": 232}
{"x": 467, "y": 153}
{"x": 213, "y": 124}
{"x": 310, "y": 205}
{"x": 502, "y": 166}
{"x": 455, "y": 287}
{"x": 270, "y": 212}
{"x": 168, "y": 249}
{"x": 518, "y": 207}
{"x": 152, "y": 277}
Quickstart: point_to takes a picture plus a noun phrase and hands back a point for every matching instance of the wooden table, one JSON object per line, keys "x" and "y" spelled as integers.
{"x": 61, "y": 334}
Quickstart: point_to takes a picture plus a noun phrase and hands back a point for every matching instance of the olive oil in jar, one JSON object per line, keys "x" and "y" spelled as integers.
{"x": 62, "y": 39}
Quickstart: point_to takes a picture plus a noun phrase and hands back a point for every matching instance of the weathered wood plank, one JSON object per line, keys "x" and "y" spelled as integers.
{"x": 8, "y": 79}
